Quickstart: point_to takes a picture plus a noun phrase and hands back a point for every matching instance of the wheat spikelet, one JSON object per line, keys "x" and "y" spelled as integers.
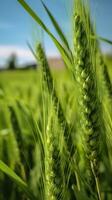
{"x": 69, "y": 146}
{"x": 53, "y": 173}
{"x": 42, "y": 60}
{"x": 88, "y": 101}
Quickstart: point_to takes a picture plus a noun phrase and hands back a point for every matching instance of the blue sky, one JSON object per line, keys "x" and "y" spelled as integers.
{"x": 16, "y": 27}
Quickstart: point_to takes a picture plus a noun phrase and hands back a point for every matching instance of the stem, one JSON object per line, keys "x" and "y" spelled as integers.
{"x": 77, "y": 180}
{"x": 97, "y": 181}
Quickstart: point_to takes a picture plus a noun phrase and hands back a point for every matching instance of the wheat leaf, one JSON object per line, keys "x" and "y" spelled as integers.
{"x": 9, "y": 172}
{"x": 62, "y": 51}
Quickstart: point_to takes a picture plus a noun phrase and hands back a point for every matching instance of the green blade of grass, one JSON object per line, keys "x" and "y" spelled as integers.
{"x": 105, "y": 40}
{"x": 97, "y": 37}
{"x": 62, "y": 51}
{"x": 9, "y": 172}
{"x": 33, "y": 125}
{"x": 32, "y": 51}
{"x": 56, "y": 26}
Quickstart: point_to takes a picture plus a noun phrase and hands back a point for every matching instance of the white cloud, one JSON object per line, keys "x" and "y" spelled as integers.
{"x": 52, "y": 53}
{"x": 23, "y": 54}
{"x": 106, "y": 48}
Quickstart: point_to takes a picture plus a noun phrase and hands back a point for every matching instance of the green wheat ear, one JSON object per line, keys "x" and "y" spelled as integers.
{"x": 47, "y": 77}
{"x": 65, "y": 128}
{"x": 88, "y": 100}
{"x": 53, "y": 171}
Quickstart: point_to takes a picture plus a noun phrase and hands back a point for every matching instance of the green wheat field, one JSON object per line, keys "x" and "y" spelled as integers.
{"x": 56, "y": 124}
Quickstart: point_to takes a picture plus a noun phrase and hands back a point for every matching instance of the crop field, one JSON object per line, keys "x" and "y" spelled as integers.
{"x": 56, "y": 124}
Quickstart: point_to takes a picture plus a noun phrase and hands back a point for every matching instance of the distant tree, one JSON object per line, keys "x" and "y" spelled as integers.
{"x": 12, "y": 62}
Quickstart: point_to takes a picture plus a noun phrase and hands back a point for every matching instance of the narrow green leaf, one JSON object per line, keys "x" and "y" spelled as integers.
{"x": 33, "y": 125}
{"x": 32, "y": 51}
{"x": 56, "y": 26}
{"x": 9, "y": 172}
{"x": 105, "y": 40}
{"x": 81, "y": 194}
{"x": 62, "y": 51}
{"x": 97, "y": 37}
